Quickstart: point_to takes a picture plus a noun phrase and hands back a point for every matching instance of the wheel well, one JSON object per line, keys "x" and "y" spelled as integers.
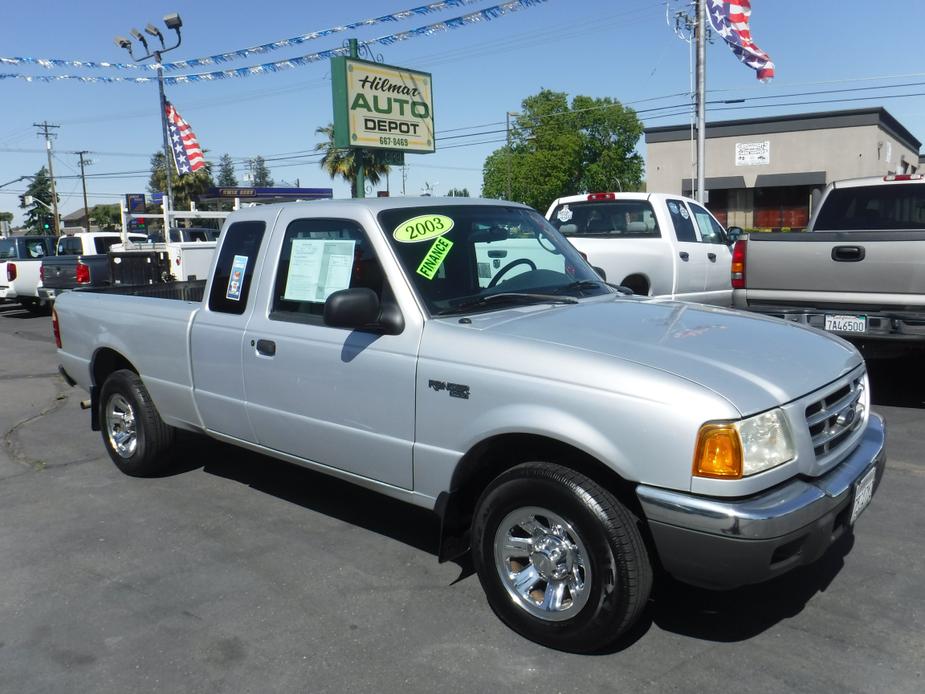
{"x": 491, "y": 457}
{"x": 107, "y": 361}
{"x": 638, "y": 283}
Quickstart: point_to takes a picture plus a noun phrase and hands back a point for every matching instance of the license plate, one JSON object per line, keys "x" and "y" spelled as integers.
{"x": 863, "y": 493}
{"x": 846, "y": 324}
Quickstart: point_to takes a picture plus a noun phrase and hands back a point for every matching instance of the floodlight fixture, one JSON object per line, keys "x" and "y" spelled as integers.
{"x": 139, "y": 37}
{"x": 123, "y": 42}
{"x": 173, "y": 21}
{"x": 154, "y": 31}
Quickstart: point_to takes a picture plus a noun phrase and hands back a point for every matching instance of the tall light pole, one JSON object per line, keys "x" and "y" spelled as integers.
{"x": 172, "y": 22}
{"x": 46, "y": 127}
{"x": 701, "y": 32}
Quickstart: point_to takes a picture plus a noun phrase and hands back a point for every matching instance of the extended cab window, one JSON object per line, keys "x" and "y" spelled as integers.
{"x": 711, "y": 231}
{"x": 318, "y": 258}
{"x": 231, "y": 281}
{"x": 632, "y": 219}
{"x": 681, "y": 218}
{"x": 7, "y": 248}
{"x": 69, "y": 246}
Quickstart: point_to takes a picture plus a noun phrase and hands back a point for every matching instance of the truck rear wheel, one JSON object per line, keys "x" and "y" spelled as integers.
{"x": 561, "y": 560}
{"x": 134, "y": 434}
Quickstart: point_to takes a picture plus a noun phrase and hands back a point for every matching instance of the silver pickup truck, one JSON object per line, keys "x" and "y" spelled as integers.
{"x": 575, "y": 439}
{"x": 856, "y": 271}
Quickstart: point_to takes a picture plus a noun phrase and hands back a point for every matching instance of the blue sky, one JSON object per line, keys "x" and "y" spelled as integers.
{"x": 621, "y": 49}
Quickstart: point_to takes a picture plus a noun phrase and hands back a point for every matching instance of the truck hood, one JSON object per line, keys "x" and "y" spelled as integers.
{"x": 754, "y": 362}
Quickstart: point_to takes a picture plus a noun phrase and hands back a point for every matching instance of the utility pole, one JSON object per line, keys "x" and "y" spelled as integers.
{"x": 360, "y": 183}
{"x": 83, "y": 180}
{"x": 507, "y": 195}
{"x": 701, "y": 36}
{"x": 45, "y": 126}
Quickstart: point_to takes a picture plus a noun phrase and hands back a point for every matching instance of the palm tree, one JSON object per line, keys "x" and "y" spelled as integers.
{"x": 344, "y": 162}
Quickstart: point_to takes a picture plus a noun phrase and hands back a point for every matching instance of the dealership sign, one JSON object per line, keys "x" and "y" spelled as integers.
{"x": 381, "y": 106}
{"x": 753, "y": 153}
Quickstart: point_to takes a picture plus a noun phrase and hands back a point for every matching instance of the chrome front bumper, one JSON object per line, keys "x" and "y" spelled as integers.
{"x": 719, "y": 543}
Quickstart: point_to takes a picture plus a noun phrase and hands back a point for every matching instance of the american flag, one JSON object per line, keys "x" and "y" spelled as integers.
{"x": 730, "y": 21}
{"x": 187, "y": 154}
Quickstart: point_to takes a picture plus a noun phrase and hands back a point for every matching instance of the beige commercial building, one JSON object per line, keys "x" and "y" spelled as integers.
{"x": 765, "y": 173}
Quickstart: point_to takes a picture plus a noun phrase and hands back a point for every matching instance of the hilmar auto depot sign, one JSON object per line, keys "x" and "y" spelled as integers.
{"x": 381, "y": 106}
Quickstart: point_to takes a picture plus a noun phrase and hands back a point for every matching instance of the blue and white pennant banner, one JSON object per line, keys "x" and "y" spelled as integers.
{"x": 487, "y": 14}
{"x": 52, "y": 63}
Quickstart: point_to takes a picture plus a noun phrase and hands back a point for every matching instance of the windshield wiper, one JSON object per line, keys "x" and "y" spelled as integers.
{"x": 579, "y": 285}
{"x": 507, "y": 298}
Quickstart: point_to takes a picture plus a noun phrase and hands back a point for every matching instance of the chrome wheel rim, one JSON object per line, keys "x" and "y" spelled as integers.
{"x": 120, "y": 426}
{"x": 542, "y": 563}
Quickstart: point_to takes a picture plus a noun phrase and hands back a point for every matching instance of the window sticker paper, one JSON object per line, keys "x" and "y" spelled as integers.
{"x": 318, "y": 268}
{"x": 236, "y": 280}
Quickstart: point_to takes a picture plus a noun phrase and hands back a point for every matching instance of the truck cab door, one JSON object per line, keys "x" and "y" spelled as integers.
{"x": 718, "y": 288}
{"x": 217, "y": 334}
{"x": 332, "y": 396}
{"x": 690, "y": 257}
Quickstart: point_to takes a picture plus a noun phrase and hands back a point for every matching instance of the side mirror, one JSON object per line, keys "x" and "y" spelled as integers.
{"x": 733, "y": 234}
{"x": 359, "y": 309}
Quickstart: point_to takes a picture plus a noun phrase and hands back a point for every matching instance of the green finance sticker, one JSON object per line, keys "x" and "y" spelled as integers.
{"x": 422, "y": 228}
{"x": 434, "y": 258}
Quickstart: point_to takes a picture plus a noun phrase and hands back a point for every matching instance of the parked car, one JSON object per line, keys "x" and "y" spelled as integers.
{"x": 855, "y": 272}
{"x": 571, "y": 437}
{"x": 20, "y": 261}
{"x": 81, "y": 259}
{"x": 652, "y": 243}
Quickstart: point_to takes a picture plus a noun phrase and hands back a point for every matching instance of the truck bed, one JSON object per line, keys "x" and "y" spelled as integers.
{"x": 174, "y": 291}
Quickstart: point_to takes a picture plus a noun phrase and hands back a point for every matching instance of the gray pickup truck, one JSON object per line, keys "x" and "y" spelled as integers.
{"x": 856, "y": 271}
{"x": 572, "y": 438}
{"x": 80, "y": 260}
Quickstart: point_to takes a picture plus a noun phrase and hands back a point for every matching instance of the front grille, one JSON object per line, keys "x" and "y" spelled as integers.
{"x": 835, "y": 417}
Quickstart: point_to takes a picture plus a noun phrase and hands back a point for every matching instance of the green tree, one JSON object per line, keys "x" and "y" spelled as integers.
{"x": 6, "y": 216}
{"x": 345, "y": 162}
{"x": 261, "y": 173}
{"x": 226, "y": 177}
{"x": 458, "y": 193}
{"x": 106, "y": 217}
{"x": 185, "y": 187}
{"x": 560, "y": 149}
{"x": 39, "y": 219}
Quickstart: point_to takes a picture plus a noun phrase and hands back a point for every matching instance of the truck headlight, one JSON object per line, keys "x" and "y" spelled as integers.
{"x": 732, "y": 450}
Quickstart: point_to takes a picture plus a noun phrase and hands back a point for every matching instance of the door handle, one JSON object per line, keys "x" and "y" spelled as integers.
{"x": 266, "y": 347}
{"x": 848, "y": 254}
{"x": 712, "y": 256}
{"x": 685, "y": 255}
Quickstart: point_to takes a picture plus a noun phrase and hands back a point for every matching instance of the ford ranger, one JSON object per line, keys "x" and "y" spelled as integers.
{"x": 573, "y": 438}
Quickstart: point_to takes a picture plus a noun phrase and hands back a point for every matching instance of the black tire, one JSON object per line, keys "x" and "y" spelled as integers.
{"x": 134, "y": 434}
{"x": 616, "y": 570}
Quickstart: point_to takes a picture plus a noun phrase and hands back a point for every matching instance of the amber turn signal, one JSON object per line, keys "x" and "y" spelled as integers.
{"x": 718, "y": 453}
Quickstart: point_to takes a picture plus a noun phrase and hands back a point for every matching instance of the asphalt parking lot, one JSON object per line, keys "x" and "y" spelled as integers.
{"x": 237, "y": 573}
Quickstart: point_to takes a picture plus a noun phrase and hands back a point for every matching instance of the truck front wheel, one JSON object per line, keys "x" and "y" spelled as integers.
{"x": 561, "y": 560}
{"x": 134, "y": 434}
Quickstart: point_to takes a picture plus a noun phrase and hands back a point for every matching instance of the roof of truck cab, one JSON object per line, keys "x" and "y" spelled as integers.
{"x": 874, "y": 181}
{"x": 379, "y": 204}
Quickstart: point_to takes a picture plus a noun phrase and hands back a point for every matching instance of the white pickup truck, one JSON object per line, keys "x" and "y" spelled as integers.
{"x": 572, "y": 437}
{"x": 652, "y": 243}
{"x": 20, "y": 268}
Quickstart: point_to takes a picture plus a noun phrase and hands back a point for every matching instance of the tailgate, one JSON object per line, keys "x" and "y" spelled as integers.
{"x": 60, "y": 273}
{"x": 838, "y": 262}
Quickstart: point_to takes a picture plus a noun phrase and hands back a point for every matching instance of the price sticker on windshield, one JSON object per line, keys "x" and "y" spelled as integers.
{"x": 423, "y": 228}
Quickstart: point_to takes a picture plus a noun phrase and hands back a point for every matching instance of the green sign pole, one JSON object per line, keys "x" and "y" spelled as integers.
{"x": 358, "y": 153}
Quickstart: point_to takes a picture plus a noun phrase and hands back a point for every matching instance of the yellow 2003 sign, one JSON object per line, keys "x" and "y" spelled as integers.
{"x": 422, "y": 228}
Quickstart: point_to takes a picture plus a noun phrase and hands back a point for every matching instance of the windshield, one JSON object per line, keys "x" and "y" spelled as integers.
{"x": 874, "y": 207}
{"x": 627, "y": 219}
{"x": 458, "y": 256}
